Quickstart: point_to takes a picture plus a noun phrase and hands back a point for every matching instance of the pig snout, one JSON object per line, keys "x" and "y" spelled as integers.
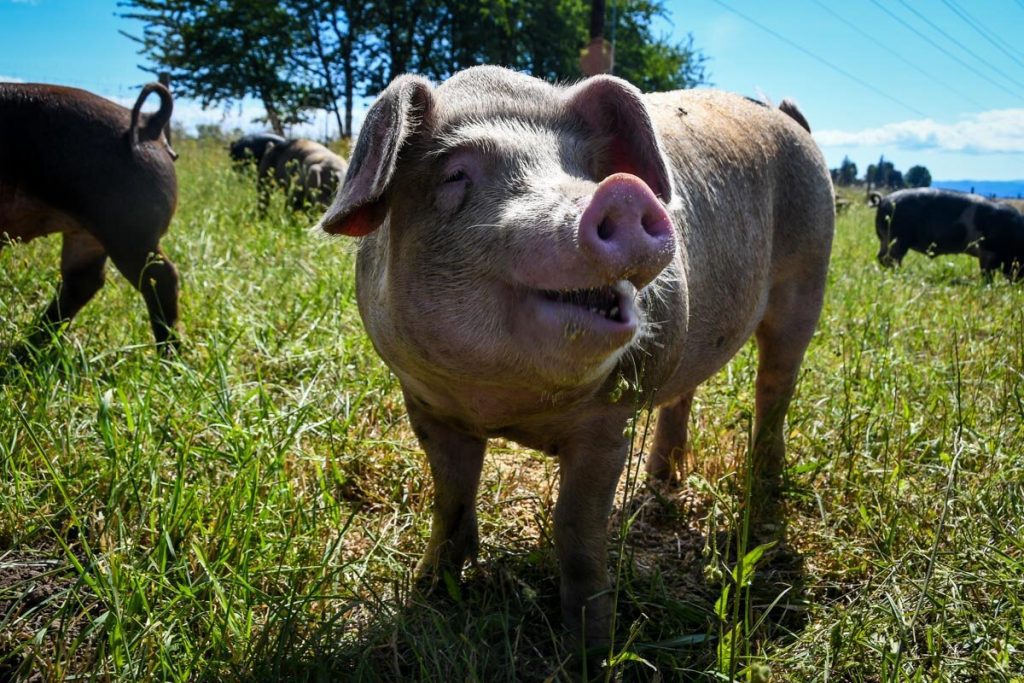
{"x": 625, "y": 230}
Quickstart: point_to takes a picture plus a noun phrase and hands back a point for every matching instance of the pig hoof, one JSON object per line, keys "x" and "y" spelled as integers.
{"x": 440, "y": 584}
{"x": 662, "y": 470}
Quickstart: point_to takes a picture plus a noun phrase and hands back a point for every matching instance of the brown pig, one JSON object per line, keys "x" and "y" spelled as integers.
{"x": 102, "y": 176}
{"x": 309, "y": 171}
{"x": 538, "y": 261}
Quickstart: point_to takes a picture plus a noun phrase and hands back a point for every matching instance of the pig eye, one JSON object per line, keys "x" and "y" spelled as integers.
{"x": 456, "y": 177}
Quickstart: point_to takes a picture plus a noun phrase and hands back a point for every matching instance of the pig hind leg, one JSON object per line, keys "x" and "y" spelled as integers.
{"x": 156, "y": 278}
{"x": 782, "y": 338}
{"x": 666, "y": 458}
{"x": 81, "y": 266}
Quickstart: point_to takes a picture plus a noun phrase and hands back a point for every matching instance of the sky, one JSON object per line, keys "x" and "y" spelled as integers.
{"x": 933, "y": 82}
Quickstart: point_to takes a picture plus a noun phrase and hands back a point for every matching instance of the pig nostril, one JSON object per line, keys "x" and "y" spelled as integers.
{"x": 657, "y": 226}
{"x": 648, "y": 223}
{"x": 604, "y": 229}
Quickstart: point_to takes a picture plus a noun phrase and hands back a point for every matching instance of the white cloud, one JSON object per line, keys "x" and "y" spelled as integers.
{"x": 990, "y": 132}
{"x": 25, "y": 2}
{"x": 11, "y": 79}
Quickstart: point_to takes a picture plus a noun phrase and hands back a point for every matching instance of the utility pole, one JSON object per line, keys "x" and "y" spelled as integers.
{"x": 599, "y": 56}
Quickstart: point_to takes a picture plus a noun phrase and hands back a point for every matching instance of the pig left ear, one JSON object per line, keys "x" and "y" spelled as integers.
{"x": 611, "y": 106}
{"x": 405, "y": 106}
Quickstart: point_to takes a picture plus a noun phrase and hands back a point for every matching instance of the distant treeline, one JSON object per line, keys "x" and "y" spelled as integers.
{"x": 881, "y": 175}
{"x": 299, "y": 55}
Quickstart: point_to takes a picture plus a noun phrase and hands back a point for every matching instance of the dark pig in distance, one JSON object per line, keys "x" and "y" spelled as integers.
{"x": 934, "y": 222}
{"x": 101, "y": 175}
{"x": 249, "y": 149}
{"x": 308, "y": 171}
{"x": 537, "y": 261}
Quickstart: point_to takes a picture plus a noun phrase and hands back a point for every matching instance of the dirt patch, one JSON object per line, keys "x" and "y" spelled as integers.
{"x": 41, "y": 622}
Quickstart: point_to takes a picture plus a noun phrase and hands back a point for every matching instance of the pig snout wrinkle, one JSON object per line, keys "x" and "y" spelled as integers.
{"x": 626, "y": 231}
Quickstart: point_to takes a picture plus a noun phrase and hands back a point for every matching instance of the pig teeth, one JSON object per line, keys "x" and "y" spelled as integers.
{"x": 601, "y": 301}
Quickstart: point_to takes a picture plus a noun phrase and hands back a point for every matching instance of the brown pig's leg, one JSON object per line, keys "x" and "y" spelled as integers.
{"x": 82, "y": 260}
{"x": 156, "y": 278}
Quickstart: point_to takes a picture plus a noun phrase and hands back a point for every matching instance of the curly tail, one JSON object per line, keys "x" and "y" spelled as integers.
{"x": 153, "y": 127}
{"x": 874, "y": 199}
{"x": 789, "y": 108}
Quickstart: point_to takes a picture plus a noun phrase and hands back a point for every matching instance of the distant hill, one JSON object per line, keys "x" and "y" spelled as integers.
{"x": 1012, "y": 189}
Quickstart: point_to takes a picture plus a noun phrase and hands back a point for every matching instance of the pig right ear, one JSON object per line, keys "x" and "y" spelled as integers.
{"x": 614, "y": 108}
{"x": 359, "y": 207}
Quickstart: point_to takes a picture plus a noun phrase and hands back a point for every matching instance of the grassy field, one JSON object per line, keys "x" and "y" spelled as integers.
{"x": 252, "y": 510}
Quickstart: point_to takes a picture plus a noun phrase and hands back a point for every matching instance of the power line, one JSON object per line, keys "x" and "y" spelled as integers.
{"x": 898, "y": 56}
{"x": 937, "y": 46}
{"x": 957, "y": 43}
{"x": 963, "y": 47}
{"x": 816, "y": 58}
{"x": 976, "y": 25}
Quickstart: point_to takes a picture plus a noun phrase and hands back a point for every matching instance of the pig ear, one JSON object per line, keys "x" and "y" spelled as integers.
{"x": 613, "y": 107}
{"x": 359, "y": 208}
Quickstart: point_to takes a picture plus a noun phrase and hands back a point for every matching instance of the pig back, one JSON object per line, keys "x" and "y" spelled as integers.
{"x": 71, "y": 150}
{"x": 753, "y": 206}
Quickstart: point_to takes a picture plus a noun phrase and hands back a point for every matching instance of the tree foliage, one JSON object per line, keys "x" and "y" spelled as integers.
{"x": 650, "y": 62}
{"x": 884, "y": 174}
{"x": 846, "y": 174}
{"x": 297, "y": 55}
{"x": 221, "y": 52}
{"x": 918, "y": 176}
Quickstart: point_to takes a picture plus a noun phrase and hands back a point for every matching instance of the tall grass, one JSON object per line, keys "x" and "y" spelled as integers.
{"x": 252, "y": 510}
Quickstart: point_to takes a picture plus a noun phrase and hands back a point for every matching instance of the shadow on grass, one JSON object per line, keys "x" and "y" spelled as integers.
{"x": 501, "y": 621}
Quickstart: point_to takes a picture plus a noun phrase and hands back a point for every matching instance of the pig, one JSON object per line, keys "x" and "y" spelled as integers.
{"x": 934, "y": 222}
{"x": 249, "y": 149}
{"x": 74, "y": 163}
{"x": 537, "y": 262}
{"x": 309, "y": 172}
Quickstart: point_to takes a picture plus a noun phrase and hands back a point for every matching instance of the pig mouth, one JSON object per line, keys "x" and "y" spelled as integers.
{"x": 580, "y": 327}
{"x": 606, "y": 302}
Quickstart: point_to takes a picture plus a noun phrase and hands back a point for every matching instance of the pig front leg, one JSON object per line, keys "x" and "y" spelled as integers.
{"x": 456, "y": 460}
{"x": 589, "y": 470}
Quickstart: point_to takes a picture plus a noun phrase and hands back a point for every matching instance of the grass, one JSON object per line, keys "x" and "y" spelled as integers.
{"x": 252, "y": 510}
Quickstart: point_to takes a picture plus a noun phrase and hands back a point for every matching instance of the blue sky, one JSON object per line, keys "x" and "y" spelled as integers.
{"x": 932, "y": 82}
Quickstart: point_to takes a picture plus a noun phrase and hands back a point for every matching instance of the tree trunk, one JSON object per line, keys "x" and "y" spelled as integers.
{"x": 346, "y": 46}
{"x": 349, "y": 89}
{"x": 273, "y": 117}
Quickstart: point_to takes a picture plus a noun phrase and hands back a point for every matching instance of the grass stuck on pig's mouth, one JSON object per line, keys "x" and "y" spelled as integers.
{"x": 254, "y": 509}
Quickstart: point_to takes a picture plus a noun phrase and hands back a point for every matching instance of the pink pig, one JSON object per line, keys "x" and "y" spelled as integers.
{"x": 529, "y": 250}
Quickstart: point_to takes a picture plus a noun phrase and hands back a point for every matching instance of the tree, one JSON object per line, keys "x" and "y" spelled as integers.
{"x": 297, "y": 55}
{"x": 330, "y": 49}
{"x": 884, "y": 175}
{"x": 652, "y": 63}
{"x": 221, "y": 52}
{"x": 846, "y": 174}
{"x": 918, "y": 176}
{"x": 541, "y": 37}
